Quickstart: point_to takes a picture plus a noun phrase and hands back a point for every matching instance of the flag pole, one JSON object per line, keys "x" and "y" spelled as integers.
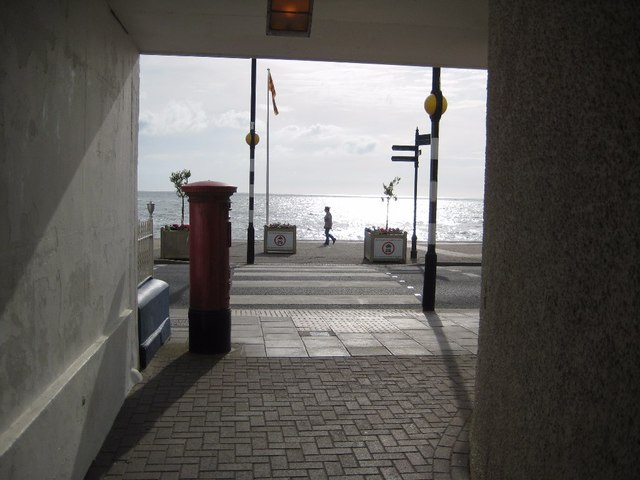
{"x": 270, "y": 88}
{"x": 267, "y": 187}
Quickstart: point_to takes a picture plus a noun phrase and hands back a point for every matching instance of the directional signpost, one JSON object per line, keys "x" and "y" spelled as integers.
{"x": 419, "y": 141}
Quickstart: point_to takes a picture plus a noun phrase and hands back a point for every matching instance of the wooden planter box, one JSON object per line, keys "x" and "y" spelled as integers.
{"x": 385, "y": 247}
{"x": 174, "y": 244}
{"x": 280, "y": 239}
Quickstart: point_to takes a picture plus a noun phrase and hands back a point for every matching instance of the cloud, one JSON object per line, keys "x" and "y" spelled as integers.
{"x": 315, "y": 131}
{"x": 323, "y": 139}
{"x": 175, "y": 118}
{"x": 360, "y": 146}
{"x": 232, "y": 119}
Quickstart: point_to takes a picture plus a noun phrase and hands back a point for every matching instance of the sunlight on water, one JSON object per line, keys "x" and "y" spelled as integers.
{"x": 457, "y": 220}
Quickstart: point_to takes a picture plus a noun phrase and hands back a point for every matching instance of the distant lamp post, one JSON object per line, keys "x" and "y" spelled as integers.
{"x": 435, "y": 105}
{"x": 289, "y": 17}
{"x": 150, "y": 208}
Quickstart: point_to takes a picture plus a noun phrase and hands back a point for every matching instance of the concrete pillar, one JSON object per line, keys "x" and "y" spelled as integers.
{"x": 558, "y": 378}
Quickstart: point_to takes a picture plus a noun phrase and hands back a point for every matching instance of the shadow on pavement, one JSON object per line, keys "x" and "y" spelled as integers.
{"x": 150, "y": 401}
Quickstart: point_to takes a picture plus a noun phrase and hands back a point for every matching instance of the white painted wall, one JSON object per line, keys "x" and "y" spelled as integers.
{"x": 68, "y": 343}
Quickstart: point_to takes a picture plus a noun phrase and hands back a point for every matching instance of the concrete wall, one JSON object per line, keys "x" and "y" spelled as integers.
{"x": 68, "y": 116}
{"x": 558, "y": 379}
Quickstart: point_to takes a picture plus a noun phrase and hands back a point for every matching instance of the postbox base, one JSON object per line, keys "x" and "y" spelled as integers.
{"x": 210, "y": 331}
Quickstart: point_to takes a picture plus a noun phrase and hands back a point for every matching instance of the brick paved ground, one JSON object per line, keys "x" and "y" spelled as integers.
{"x": 373, "y": 417}
{"x": 306, "y": 393}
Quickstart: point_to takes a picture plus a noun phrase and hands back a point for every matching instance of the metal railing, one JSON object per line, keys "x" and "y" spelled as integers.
{"x": 145, "y": 249}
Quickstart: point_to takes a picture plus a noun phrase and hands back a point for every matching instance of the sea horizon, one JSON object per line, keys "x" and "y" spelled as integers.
{"x": 345, "y": 195}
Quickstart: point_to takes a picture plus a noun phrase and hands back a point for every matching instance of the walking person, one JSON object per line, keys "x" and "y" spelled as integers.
{"x": 328, "y": 225}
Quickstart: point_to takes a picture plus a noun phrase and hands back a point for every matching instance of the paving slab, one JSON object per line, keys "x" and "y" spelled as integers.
{"x": 333, "y": 332}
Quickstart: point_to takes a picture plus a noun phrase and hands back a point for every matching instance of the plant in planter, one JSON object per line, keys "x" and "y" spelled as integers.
{"x": 389, "y": 193}
{"x": 386, "y": 244}
{"x": 174, "y": 239}
{"x": 279, "y": 238}
{"x": 179, "y": 179}
{"x": 280, "y": 225}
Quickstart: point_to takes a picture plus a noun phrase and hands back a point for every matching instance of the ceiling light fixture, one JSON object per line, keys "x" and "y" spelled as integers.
{"x": 289, "y": 17}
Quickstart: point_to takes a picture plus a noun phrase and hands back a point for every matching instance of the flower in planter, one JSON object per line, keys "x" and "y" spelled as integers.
{"x": 280, "y": 225}
{"x": 384, "y": 230}
{"x": 175, "y": 226}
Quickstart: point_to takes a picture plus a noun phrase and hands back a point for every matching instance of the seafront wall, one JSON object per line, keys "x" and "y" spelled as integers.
{"x": 68, "y": 341}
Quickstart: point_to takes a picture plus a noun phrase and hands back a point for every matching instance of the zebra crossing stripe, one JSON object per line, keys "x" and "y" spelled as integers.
{"x": 317, "y": 286}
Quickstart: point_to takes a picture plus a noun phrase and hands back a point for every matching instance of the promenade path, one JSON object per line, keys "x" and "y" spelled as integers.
{"x": 313, "y": 387}
{"x": 352, "y": 252}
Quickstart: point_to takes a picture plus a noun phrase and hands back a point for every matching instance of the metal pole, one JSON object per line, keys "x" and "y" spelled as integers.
{"x": 429, "y": 289}
{"x": 414, "y": 237}
{"x": 267, "y": 189}
{"x": 252, "y": 148}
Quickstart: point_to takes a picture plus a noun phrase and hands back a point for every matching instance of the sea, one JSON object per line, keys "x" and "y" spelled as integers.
{"x": 457, "y": 220}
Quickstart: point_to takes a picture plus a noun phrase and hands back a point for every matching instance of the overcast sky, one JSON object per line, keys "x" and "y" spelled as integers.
{"x": 333, "y": 135}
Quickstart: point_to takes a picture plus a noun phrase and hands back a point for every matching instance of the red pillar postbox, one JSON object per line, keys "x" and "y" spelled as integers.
{"x": 209, "y": 271}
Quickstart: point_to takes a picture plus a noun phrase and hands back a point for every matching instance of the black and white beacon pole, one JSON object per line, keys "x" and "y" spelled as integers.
{"x": 435, "y": 105}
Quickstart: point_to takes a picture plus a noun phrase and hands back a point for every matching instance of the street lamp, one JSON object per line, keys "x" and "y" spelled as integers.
{"x": 435, "y": 105}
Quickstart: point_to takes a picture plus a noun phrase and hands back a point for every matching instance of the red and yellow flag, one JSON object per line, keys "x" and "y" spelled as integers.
{"x": 272, "y": 89}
